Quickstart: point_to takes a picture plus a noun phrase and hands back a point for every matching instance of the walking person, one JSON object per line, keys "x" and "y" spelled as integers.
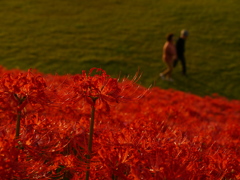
{"x": 180, "y": 46}
{"x": 169, "y": 55}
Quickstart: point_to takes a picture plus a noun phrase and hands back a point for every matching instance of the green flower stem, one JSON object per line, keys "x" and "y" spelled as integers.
{"x": 90, "y": 140}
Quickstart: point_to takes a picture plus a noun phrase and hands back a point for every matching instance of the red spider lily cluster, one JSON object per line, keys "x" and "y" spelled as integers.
{"x": 139, "y": 133}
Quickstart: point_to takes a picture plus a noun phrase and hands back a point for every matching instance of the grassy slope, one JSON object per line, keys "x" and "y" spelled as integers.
{"x": 59, "y": 36}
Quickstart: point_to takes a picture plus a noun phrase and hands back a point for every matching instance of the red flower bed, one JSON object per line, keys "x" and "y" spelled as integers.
{"x": 139, "y": 133}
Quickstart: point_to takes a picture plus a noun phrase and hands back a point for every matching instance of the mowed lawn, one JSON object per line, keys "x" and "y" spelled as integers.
{"x": 124, "y": 36}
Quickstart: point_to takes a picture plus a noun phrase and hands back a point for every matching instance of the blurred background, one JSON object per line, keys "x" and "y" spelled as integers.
{"x": 122, "y": 37}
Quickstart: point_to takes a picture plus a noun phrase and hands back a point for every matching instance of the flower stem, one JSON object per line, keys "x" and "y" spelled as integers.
{"x": 18, "y": 124}
{"x": 90, "y": 139}
{"x": 19, "y": 114}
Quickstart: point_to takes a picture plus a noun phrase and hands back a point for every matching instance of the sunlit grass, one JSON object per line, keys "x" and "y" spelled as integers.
{"x": 121, "y": 36}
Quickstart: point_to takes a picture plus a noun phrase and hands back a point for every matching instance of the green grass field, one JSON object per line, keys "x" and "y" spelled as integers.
{"x": 122, "y": 36}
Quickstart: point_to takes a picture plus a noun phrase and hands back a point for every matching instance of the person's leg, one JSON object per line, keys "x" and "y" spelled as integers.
{"x": 166, "y": 72}
{"x": 175, "y": 62}
{"x": 183, "y": 62}
{"x": 170, "y": 67}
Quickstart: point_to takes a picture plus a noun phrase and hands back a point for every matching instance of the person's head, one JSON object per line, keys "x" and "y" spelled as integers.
{"x": 184, "y": 33}
{"x": 170, "y": 37}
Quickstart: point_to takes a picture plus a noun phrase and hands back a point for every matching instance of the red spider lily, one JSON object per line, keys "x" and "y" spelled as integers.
{"x": 167, "y": 134}
{"x": 16, "y": 91}
{"x": 24, "y": 88}
{"x": 101, "y": 87}
{"x": 116, "y": 163}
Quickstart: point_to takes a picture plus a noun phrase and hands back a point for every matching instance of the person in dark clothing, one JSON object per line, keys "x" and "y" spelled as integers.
{"x": 180, "y": 46}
